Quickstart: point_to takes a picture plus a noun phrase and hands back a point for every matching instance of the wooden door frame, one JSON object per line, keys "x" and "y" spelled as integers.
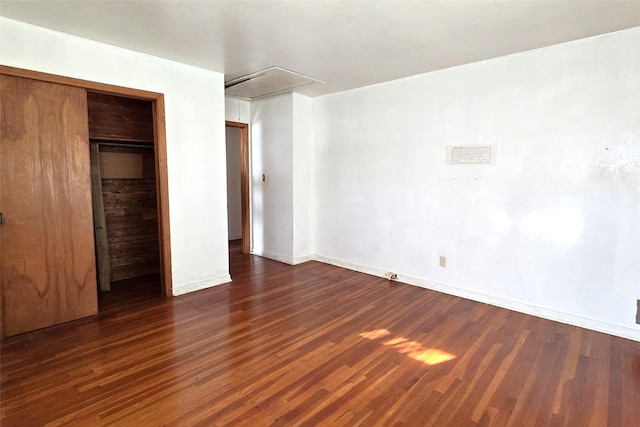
{"x": 244, "y": 183}
{"x": 160, "y": 150}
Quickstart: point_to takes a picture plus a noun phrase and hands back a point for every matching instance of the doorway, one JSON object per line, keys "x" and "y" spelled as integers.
{"x": 238, "y": 198}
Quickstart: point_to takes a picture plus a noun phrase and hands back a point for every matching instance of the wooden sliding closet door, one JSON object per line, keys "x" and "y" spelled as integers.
{"x": 47, "y": 261}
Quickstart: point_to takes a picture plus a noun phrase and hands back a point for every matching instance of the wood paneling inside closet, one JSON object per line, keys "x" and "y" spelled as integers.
{"x": 132, "y": 219}
{"x": 118, "y": 118}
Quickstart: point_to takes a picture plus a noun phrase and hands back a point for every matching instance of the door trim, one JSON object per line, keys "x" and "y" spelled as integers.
{"x": 245, "y": 199}
{"x": 160, "y": 149}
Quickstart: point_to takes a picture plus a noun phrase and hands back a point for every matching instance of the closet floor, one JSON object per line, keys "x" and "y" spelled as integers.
{"x": 129, "y": 291}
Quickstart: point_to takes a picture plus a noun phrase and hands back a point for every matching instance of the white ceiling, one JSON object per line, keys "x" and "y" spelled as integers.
{"x": 346, "y": 44}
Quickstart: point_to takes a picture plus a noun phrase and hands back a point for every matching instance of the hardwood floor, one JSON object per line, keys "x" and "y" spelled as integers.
{"x": 130, "y": 291}
{"x": 315, "y": 344}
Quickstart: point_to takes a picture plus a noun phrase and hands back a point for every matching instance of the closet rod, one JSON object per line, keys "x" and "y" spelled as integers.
{"x": 121, "y": 144}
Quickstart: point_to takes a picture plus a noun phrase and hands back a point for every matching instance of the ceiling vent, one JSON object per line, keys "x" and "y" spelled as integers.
{"x": 267, "y": 82}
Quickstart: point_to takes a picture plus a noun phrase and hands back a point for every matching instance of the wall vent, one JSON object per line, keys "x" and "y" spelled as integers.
{"x": 471, "y": 154}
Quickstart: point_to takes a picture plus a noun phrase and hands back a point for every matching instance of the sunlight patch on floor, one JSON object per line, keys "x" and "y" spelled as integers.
{"x": 413, "y": 349}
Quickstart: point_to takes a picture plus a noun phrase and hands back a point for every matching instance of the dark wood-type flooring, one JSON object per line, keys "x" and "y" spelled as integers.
{"x": 130, "y": 291}
{"x": 313, "y": 345}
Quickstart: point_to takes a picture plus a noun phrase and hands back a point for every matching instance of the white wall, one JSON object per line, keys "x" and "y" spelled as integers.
{"x": 237, "y": 110}
{"x": 302, "y": 178}
{"x": 282, "y": 149}
{"x": 234, "y": 191}
{"x": 552, "y": 229}
{"x": 194, "y": 112}
{"x": 271, "y": 147}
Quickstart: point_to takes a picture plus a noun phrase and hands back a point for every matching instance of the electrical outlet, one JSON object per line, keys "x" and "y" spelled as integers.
{"x": 443, "y": 261}
{"x": 391, "y": 276}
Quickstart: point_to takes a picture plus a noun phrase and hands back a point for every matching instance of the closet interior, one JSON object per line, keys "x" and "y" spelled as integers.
{"x": 124, "y": 198}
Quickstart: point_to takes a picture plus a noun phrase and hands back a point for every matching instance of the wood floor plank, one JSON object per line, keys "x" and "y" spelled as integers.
{"x": 315, "y": 344}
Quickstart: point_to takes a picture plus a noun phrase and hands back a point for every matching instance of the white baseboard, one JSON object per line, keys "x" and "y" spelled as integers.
{"x": 350, "y": 265}
{"x": 201, "y": 284}
{"x": 303, "y": 259}
{"x": 284, "y": 258}
{"x": 274, "y": 256}
{"x": 545, "y": 313}
{"x": 235, "y": 237}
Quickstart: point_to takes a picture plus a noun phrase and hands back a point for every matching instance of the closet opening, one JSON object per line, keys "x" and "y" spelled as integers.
{"x": 125, "y": 202}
